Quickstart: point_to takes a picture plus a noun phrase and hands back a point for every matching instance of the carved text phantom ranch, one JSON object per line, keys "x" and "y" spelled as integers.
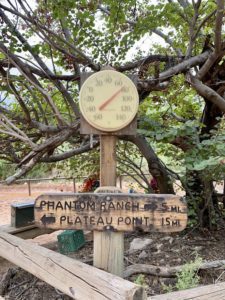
{"x": 121, "y": 212}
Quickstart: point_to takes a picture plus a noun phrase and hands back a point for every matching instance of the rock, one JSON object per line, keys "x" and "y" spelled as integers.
{"x": 175, "y": 250}
{"x": 165, "y": 238}
{"x": 139, "y": 244}
{"x": 198, "y": 248}
{"x": 143, "y": 255}
{"x": 158, "y": 246}
{"x": 168, "y": 238}
{"x": 171, "y": 240}
{"x": 154, "y": 250}
{"x": 162, "y": 261}
{"x": 177, "y": 260}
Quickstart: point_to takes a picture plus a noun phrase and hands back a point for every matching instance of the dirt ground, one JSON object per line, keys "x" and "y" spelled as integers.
{"x": 19, "y": 193}
{"x": 164, "y": 250}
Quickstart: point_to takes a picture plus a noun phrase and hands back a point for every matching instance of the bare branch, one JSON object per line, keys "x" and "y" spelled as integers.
{"x": 17, "y": 95}
{"x": 192, "y": 25}
{"x": 218, "y": 25}
{"x": 5, "y": 63}
{"x": 208, "y": 93}
{"x": 156, "y": 31}
{"x": 68, "y": 37}
{"x": 218, "y": 45}
{"x": 130, "y": 164}
{"x": 154, "y": 164}
{"x": 24, "y": 169}
{"x": 32, "y": 124}
{"x": 34, "y": 156}
{"x": 147, "y": 60}
{"x": 205, "y": 20}
{"x": 183, "y": 3}
{"x": 182, "y": 67}
{"x": 33, "y": 20}
{"x": 30, "y": 77}
{"x": 68, "y": 154}
{"x": 12, "y": 130}
{"x": 44, "y": 67}
{"x": 168, "y": 40}
{"x": 185, "y": 65}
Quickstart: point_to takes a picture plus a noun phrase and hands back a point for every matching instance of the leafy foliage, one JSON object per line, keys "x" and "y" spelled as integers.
{"x": 187, "y": 278}
{"x": 141, "y": 280}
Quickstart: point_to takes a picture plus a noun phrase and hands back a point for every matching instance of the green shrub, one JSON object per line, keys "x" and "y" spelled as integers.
{"x": 186, "y": 278}
{"x": 140, "y": 280}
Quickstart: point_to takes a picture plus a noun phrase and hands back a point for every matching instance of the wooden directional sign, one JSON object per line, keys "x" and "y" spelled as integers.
{"x": 118, "y": 212}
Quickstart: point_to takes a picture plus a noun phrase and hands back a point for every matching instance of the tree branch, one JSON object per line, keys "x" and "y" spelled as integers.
{"x": 183, "y": 67}
{"x": 192, "y": 35}
{"x": 208, "y": 93}
{"x": 218, "y": 50}
{"x": 32, "y": 79}
{"x": 5, "y": 63}
{"x": 168, "y": 41}
{"x": 168, "y": 271}
{"x": 33, "y": 20}
{"x": 154, "y": 164}
{"x": 29, "y": 161}
{"x": 218, "y": 25}
{"x": 43, "y": 66}
{"x": 147, "y": 60}
{"x": 68, "y": 154}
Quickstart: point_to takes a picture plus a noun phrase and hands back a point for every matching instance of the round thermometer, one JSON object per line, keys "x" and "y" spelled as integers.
{"x": 108, "y": 100}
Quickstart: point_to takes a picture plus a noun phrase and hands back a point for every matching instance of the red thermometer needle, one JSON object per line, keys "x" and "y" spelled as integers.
{"x": 105, "y": 103}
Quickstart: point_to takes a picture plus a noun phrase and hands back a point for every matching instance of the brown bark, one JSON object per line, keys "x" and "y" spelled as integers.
{"x": 156, "y": 168}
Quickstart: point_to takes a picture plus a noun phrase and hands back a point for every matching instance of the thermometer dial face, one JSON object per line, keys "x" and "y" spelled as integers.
{"x": 108, "y": 100}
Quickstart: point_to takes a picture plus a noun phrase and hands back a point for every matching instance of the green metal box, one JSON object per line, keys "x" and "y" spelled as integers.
{"x": 22, "y": 214}
{"x": 70, "y": 241}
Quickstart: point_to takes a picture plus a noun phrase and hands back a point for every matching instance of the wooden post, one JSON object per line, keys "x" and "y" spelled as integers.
{"x": 121, "y": 181}
{"x": 74, "y": 185}
{"x": 224, "y": 193}
{"x": 29, "y": 187}
{"x": 108, "y": 245}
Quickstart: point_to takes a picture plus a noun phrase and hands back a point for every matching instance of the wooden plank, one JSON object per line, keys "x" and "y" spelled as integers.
{"x": 213, "y": 291}
{"x": 72, "y": 277}
{"x": 118, "y": 212}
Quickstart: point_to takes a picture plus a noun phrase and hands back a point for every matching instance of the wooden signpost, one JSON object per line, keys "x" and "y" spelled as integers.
{"x": 109, "y": 104}
{"x": 109, "y": 244}
{"x": 114, "y": 212}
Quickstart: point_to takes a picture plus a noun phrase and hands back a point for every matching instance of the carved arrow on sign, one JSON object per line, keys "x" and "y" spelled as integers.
{"x": 47, "y": 220}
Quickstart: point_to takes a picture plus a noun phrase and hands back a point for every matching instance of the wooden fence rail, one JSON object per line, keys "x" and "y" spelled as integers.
{"x": 208, "y": 292}
{"x": 32, "y": 180}
{"x": 29, "y": 181}
{"x": 76, "y": 279}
